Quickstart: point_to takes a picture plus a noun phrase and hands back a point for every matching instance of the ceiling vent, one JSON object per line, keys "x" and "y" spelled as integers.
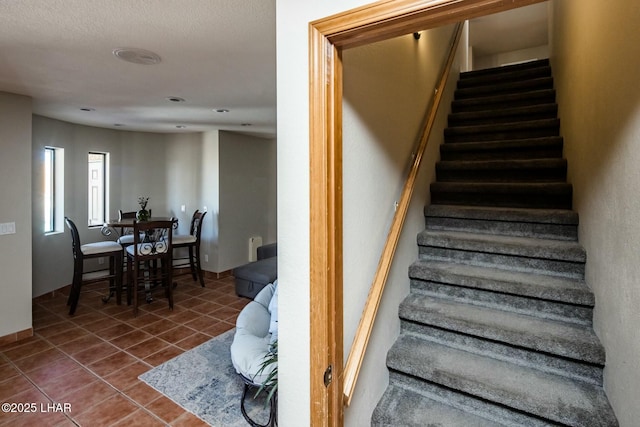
{"x": 137, "y": 56}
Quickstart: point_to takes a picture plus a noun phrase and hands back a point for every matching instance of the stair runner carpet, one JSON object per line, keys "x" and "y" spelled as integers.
{"x": 497, "y": 328}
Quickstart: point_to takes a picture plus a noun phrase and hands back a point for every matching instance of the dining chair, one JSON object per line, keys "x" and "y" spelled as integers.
{"x": 191, "y": 241}
{"x": 126, "y": 233}
{"x": 149, "y": 260}
{"x": 81, "y": 252}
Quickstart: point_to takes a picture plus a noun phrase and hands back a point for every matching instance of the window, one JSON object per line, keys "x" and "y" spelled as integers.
{"x": 53, "y": 189}
{"x": 98, "y": 173}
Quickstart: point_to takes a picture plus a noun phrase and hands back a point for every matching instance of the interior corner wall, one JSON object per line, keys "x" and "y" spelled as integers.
{"x": 16, "y": 249}
{"x": 387, "y": 91}
{"x": 247, "y": 196}
{"x": 595, "y": 62}
{"x": 505, "y": 58}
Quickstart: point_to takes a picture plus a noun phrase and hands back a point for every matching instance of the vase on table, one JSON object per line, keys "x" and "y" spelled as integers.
{"x": 142, "y": 215}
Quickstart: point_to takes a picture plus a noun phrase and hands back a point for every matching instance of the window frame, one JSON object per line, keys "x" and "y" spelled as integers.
{"x": 53, "y": 190}
{"x": 93, "y": 221}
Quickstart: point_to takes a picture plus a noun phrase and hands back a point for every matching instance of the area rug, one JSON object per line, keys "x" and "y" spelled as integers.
{"x": 203, "y": 381}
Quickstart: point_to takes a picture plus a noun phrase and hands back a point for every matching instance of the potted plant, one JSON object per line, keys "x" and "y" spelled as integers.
{"x": 143, "y": 213}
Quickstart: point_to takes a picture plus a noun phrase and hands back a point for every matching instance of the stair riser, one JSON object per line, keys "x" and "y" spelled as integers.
{"x": 540, "y": 132}
{"x": 504, "y": 88}
{"x": 523, "y": 174}
{"x": 456, "y": 120}
{"x": 585, "y": 372}
{"x": 500, "y": 415}
{"x": 551, "y": 310}
{"x": 532, "y": 73}
{"x": 504, "y": 102}
{"x": 570, "y": 294}
{"x": 505, "y": 228}
{"x": 514, "y": 199}
{"x": 488, "y": 151}
{"x": 513, "y": 263}
{"x": 506, "y": 70}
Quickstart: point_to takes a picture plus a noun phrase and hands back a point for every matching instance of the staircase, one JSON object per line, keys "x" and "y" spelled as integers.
{"x": 496, "y": 330}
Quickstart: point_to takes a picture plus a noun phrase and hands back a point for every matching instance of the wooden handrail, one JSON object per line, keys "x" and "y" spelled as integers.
{"x": 361, "y": 340}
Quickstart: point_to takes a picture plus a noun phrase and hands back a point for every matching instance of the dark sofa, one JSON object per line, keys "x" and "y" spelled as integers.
{"x": 252, "y": 277}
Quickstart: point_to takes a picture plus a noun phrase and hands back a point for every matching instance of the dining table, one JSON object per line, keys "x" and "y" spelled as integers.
{"x": 119, "y": 227}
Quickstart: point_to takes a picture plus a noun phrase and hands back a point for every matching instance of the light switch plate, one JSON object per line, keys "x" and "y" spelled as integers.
{"x": 8, "y": 228}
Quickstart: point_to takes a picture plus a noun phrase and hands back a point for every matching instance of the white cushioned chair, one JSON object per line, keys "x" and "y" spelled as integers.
{"x": 256, "y": 331}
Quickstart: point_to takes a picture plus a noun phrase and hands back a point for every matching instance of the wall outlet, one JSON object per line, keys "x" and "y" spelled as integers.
{"x": 206, "y": 258}
{"x": 183, "y": 208}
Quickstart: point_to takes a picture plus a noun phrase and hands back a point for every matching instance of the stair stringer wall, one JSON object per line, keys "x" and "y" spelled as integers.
{"x": 596, "y": 79}
{"x": 371, "y": 156}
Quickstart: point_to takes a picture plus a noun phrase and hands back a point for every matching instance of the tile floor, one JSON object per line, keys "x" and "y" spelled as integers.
{"x": 90, "y": 362}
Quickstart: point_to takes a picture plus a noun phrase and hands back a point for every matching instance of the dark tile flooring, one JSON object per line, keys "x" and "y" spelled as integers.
{"x": 83, "y": 369}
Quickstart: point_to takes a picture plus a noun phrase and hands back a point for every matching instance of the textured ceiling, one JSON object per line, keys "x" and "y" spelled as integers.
{"x": 216, "y": 54}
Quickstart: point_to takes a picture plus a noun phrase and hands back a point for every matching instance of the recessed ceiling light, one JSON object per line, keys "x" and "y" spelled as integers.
{"x": 118, "y": 124}
{"x": 137, "y": 56}
{"x": 221, "y": 110}
{"x": 181, "y": 126}
{"x": 246, "y": 124}
{"x": 174, "y": 99}
{"x": 87, "y": 109}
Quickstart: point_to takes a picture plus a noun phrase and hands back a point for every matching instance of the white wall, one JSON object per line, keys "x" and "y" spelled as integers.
{"x": 246, "y": 194}
{"x": 595, "y": 61}
{"x": 15, "y": 176}
{"x": 387, "y": 89}
{"x": 292, "y": 38}
{"x": 233, "y": 176}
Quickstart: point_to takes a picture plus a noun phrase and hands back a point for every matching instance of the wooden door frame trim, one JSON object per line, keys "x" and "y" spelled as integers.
{"x": 327, "y": 37}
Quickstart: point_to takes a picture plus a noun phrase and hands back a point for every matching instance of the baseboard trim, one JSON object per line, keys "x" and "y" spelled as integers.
{"x": 16, "y": 336}
{"x": 51, "y": 294}
{"x": 220, "y": 275}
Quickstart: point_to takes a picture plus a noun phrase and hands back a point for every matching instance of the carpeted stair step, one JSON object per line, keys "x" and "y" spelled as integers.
{"x": 547, "y": 96}
{"x": 504, "y": 88}
{"x": 533, "y": 148}
{"x": 560, "y": 224}
{"x": 572, "y": 369}
{"x": 475, "y": 118}
{"x": 404, "y": 399}
{"x": 542, "y": 287}
{"x": 504, "y": 70}
{"x": 539, "y": 256}
{"x": 530, "y": 72}
{"x": 550, "y": 397}
{"x": 520, "y": 170}
{"x": 518, "y": 195}
{"x": 412, "y": 407}
{"x": 576, "y": 342}
{"x": 502, "y": 131}
{"x": 508, "y": 301}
